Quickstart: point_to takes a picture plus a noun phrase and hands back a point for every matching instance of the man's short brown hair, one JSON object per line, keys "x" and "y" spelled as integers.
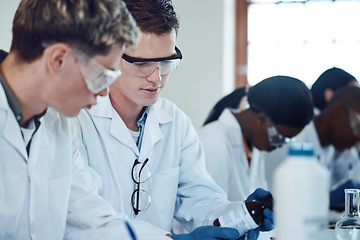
{"x": 154, "y": 16}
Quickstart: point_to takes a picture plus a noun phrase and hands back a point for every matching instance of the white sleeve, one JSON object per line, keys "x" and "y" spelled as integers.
{"x": 199, "y": 199}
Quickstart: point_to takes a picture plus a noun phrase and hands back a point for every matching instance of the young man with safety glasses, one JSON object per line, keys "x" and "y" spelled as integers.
{"x": 63, "y": 55}
{"x": 146, "y": 150}
{"x": 279, "y": 107}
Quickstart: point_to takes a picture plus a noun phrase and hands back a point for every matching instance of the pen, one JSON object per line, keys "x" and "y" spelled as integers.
{"x": 131, "y": 231}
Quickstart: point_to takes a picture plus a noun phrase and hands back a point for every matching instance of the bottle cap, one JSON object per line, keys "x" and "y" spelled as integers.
{"x": 301, "y": 149}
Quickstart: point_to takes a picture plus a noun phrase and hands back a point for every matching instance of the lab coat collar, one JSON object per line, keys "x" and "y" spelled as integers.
{"x": 152, "y": 132}
{"x": 159, "y": 115}
{"x": 13, "y": 103}
{"x": 236, "y": 138}
{"x": 11, "y": 131}
{"x": 311, "y": 133}
{"x": 103, "y": 111}
{"x": 228, "y": 118}
{"x": 324, "y": 154}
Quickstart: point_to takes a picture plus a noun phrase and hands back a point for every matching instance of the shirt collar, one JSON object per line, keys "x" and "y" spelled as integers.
{"x": 13, "y": 103}
{"x": 144, "y": 113}
{"x": 141, "y": 125}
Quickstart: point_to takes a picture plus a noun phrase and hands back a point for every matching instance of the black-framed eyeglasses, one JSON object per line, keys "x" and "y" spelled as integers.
{"x": 140, "y": 173}
{"x": 144, "y": 67}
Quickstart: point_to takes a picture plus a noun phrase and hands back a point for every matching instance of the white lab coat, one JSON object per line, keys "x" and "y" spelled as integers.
{"x": 226, "y": 159}
{"x": 179, "y": 185}
{"x": 50, "y": 189}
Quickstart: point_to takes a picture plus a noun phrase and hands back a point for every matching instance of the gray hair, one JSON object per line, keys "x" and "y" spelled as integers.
{"x": 95, "y": 25}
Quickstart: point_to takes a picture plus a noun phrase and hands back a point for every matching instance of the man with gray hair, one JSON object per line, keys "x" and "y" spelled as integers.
{"x": 63, "y": 55}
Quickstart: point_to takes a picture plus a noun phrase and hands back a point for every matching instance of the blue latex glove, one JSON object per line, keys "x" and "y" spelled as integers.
{"x": 258, "y": 195}
{"x": 337, "y": 196}
{"x": 208, "y": 233}
{"x": 252, "y": 234}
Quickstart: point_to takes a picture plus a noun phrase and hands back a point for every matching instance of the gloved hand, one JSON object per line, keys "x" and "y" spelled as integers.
{"x": 208, "y": 233}
{"x": 259, "y": 195}
{"x": 337, "y": 196}
{"x": 252, "y": 234}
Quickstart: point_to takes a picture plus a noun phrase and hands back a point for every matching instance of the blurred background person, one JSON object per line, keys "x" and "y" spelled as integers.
{"x": 332, "y": 132}
{"x": 331, "y": 80}
{"x": 279, "y": 108}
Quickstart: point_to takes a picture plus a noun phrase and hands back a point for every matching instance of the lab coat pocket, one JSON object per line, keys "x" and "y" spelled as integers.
{"x": 164, "y": 187}
{"x": 60, "y": 193}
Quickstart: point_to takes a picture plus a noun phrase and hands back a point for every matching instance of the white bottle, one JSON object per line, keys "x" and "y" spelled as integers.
{"x": 301, "y": 196}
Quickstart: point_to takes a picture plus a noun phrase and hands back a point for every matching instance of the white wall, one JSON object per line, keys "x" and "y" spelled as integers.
{"x": 7, "y": 11}
{"x": 205, "y": 73}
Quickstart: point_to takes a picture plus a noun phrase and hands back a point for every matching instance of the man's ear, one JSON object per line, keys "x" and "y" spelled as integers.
{"x": 328, "y": 94}
{"x": 56, "y": 55}
{"x": 260, "y": 119}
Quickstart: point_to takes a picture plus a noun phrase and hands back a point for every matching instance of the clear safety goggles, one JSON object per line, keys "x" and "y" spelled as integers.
{"x": 354, "y": 122}
{"x": 97, "y": 77}
{"x": 144, "y": 67}
{"x": 140, "y": 199}
{"x": 276, "y": 139}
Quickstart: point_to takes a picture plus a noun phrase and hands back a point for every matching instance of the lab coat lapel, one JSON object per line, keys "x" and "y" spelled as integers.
{"x": 11, "y": 131}
{"x": 309, "y": 134}
{"x": 121, "y": 133}
{"x": 39, "y": 142}
{"x": 153, "y": 132}
{"x": 104, "y": 111}
{"x": 237, "y": 142}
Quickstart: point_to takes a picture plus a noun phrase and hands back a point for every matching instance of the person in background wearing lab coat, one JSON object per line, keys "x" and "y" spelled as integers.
{"x": 334, "y": 130}
{"x": 346, "y": 163}
{"x": 279, "y": 107}
{"x": 145, "y": 149}
{"x": 63, "y": 55}
{"x": 322, "y": 90}
{"x": 331, "y": 80}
